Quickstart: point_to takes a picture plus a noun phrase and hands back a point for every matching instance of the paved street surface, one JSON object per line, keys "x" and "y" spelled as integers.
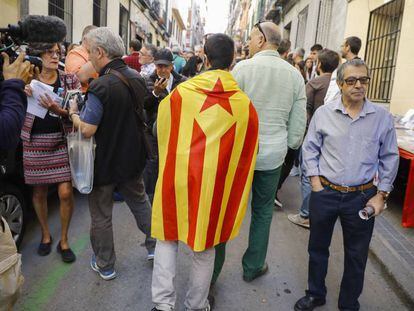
{"x": 53, "y": 285}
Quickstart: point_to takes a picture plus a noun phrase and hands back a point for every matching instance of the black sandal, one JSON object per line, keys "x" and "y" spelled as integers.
{"x": 44, "y": 249}
{"x": 67, "y": 254}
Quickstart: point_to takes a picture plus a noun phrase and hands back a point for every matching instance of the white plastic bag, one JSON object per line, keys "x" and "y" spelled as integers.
{"x": 81, "y": 159}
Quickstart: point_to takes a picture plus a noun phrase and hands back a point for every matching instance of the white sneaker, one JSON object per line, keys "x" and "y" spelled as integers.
{"x": 151, "y": 255}
{"x": 278, "y": 203}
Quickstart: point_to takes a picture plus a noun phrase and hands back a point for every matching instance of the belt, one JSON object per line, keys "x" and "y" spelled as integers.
{"x": 346, "y": 189}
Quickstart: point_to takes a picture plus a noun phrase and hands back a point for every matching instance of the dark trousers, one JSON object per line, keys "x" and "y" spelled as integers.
{"x": 150, "y": 173}
{"x": 150, "y": 177}
{"x": 292, "y": 158}
{"x": 100, "y": 207}
{"x": 325, "y": 207}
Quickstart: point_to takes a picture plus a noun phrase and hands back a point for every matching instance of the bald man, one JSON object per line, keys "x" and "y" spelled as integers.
{"x": 277, "y": 91}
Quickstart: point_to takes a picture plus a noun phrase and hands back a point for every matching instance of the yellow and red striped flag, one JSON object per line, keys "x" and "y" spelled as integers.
{"x": 207, "y": 141}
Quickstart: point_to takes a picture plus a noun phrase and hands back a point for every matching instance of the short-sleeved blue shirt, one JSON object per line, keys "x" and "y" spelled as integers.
{"x": 92, "y": 111}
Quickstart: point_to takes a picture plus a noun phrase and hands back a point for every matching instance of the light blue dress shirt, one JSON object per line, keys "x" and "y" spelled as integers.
{"x": 351, "y": 152}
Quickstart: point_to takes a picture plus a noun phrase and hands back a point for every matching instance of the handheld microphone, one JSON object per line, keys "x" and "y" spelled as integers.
{"x": 37, "y": 28}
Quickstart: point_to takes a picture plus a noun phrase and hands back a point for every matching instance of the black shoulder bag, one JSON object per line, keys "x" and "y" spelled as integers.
{"x": 150, "y": 150}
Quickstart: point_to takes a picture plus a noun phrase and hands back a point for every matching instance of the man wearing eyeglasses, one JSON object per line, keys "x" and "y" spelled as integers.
{"x": 349, "y": 141}
{"x": 146, "y": 58}
{"x": 277, "y": 91}
{"x": 349, "y": 50}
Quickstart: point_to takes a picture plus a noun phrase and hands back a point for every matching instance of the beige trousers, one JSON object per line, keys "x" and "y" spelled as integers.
{"x": 11, "y": 278}
{"x": 200, "y": 273}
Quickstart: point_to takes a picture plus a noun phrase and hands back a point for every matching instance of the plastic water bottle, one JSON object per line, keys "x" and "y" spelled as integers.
{"x": 367, "y": 212}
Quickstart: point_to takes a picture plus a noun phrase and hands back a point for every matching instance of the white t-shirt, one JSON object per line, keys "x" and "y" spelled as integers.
{"x": 333, "y": 89}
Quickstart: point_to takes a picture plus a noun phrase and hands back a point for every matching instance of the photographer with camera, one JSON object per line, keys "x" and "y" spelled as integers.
{"x": 13, "y": 101}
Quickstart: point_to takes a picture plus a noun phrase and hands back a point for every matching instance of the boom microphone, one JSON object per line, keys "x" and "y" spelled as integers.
{"x": 37, "y": 28}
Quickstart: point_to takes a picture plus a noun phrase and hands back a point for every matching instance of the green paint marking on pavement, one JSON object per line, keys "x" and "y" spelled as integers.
{"x": 46, "y": 286}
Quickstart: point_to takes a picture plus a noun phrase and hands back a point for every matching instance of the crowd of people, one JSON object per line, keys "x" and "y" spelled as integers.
{"x": 184, "y": 137}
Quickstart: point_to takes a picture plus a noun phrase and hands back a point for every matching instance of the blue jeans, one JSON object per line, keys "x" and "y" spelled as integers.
{"x": 306, "y": 189}
{"x": 326, "y": 207}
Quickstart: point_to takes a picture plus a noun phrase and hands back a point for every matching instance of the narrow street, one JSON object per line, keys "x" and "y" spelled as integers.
{"x": 53, "y": 285}
{"x": 199, "y": 93}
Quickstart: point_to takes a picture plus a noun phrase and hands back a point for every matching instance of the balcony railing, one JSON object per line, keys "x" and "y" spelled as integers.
{"x": 145, "y": 3}
{"x": 155, "y": 7}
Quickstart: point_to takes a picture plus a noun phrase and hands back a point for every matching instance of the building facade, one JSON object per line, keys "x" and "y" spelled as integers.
{"x": 306, "y": 22}
{"x": 195, "y": 24}
{"x": 145, "y": 20}
{"x": 303, "y": 22}
{"x": 239, "y": 22}
{"x": 177, "y": 29}
{"x": 385, "y": 27}
{"x": 387, "y": 32}
{"x": 149, "y": 21}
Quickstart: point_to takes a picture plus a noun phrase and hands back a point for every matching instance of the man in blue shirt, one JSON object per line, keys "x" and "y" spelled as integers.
{"x": 350, "y": 141}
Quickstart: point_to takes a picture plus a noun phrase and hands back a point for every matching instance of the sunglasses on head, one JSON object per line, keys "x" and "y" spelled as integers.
{"x": 257, "y": 25}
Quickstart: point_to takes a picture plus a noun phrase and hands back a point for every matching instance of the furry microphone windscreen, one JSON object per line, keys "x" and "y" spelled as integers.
{"x": 36, "y": 28}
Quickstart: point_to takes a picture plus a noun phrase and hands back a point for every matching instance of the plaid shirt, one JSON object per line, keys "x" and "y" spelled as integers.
{"x": 133, "y": 61}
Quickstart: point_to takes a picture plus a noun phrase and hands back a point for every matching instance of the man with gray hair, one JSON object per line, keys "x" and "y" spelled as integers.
{"x": 350, "y": 140}
{"x": 277, "y": 91}
{"x": 199, "y": 51}
{"x": 298, "y": 55}
{"x": 146, "y": 58}
{"x": 120, "y": 153}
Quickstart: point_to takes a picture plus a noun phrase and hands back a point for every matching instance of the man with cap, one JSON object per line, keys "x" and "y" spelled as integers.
{"x": 160, "y": 83}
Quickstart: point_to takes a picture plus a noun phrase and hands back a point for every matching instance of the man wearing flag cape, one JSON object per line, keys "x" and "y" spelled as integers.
{"x": 207, "y": 139}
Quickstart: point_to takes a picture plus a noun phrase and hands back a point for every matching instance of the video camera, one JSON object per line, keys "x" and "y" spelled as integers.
{"x": 33, "y": 28}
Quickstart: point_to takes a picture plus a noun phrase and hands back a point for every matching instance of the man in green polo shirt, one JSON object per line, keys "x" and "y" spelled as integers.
{"x": 278, "y": 93}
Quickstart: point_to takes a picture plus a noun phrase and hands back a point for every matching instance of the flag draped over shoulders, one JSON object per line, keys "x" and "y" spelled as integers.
{"x": 207, "y": 138}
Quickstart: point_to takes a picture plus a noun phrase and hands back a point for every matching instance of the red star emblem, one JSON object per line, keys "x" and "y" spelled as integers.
{"x": 217, "y": 96}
